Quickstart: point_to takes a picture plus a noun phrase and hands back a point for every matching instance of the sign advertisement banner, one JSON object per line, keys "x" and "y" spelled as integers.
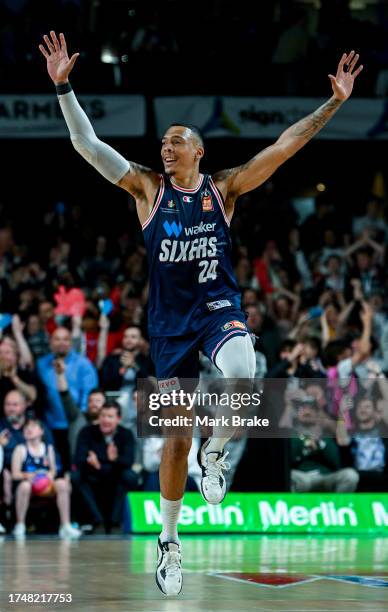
{"x": 345, "y": 513}
{"x": 39, "y": 116}
{"x": 249, "y": 117}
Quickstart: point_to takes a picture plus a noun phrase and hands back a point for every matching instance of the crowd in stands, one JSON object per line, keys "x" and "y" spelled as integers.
{"x": 296, "y": 44}
{"x": 74, "y": 343}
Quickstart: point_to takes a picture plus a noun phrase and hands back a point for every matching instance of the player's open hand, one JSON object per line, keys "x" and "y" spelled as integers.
{"x": 59, "y": 65}
{"x": 342, "y": 82}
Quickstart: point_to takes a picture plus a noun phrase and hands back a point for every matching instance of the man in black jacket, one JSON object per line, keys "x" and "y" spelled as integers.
{"x": 104, "y": 457}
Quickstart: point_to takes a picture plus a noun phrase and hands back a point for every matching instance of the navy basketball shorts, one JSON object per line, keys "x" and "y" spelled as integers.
{"x": 177, "y": 356}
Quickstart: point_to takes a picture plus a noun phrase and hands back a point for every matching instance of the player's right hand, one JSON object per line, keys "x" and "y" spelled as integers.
{"x": 59, "y": 65}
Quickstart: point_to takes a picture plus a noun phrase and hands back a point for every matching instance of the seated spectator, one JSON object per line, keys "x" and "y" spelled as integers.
{"x": 13, "y": 375}
{"x": 104, "y": 458}
{"x": 315, "y": 460}
{"x": 82, "y": 378}
{"x": 11, "y": 434}
{"x": 34, "y": 474}
{"x": 367, "y": 447}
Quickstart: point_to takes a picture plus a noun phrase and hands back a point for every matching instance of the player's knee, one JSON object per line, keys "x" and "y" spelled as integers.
{"x": 236, "y": 358}
{"x": 177, "y": 448}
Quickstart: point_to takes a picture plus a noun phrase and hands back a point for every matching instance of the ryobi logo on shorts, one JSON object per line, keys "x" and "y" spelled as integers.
{"x": 231, "y": 324}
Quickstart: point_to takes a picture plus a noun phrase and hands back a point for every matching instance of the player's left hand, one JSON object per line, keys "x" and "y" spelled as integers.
{"x": 342, "y": 82}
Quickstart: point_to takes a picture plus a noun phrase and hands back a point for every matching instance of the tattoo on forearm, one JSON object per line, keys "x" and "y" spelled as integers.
{"x": 311, "y": 125}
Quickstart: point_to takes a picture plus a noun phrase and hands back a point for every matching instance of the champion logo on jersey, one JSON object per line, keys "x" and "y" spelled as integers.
{"x": 232, "y": 324}
{"x": 187, "y": 199}
{"x": 207, "y": 202}
{"x": 172, "y": 228}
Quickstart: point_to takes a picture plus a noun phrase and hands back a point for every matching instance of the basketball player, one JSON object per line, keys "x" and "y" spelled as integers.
{"x": 194, "y": 301}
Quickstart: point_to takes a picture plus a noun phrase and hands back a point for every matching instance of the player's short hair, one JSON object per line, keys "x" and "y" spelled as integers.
{"x": 194, "y": 128}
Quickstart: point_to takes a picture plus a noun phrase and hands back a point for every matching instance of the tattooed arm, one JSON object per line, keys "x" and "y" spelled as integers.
{"x": 241, "y": 179}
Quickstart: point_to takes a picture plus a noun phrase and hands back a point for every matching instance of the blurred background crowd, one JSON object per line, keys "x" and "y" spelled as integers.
{"x": 309, "y": 253}
{"x": 280, "y": 47}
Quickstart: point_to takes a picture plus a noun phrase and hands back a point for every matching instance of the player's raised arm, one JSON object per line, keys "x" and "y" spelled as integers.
{"x": 138, "y": 180}
{"x": 241, "y": 179}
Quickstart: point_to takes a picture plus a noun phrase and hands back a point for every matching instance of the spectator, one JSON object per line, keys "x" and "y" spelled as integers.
{"x": 367, "y": 447}
{"x": 12, "y": 375}
{"x": 292, "y": 363}
{"x": 121, "y": 369}
{"x": 342, "y": 357}
{"x": 315, "y": 460}
{"x": 37, "y": 336}
{"x": 104, "y": 458}
{"x": 11, "y": 432}
{"x": 152, "y": 454}
{"x": 373, "y": 220}
{"x": 266, "y": 331}
{"x": 31, "y": 460}
{"x": 76, "y": 418}
{"x": 81, "y": 377}
{"x": 47, "y": 316}
{"x": 2, "y": 441}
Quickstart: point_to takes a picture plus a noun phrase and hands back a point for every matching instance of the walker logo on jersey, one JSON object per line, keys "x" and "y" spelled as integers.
{"x": 171, "y": 204}
{"x": 232, "y": 324}
{"x": 207, "y": 203}
{"x": 172, "y": 228}
{"x": 200, "y": 229}
{"x": 187, "y": 199}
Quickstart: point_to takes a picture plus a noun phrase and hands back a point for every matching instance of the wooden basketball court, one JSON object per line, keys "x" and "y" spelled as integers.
{"x": 236, "y": 572}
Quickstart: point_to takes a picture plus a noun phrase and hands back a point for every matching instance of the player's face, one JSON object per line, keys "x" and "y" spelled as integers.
{"x": 180, "y": 150}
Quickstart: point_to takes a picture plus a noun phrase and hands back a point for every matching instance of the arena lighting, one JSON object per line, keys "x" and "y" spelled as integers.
{"x": 108, "y": 56}
{"x": 321, "y": 187}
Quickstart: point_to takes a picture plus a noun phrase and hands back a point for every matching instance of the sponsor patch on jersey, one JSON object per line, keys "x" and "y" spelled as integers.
{"x": 171, "y": 204}
{"x": 187, "y": 199}
{"x": 207, "y": 202}
{"x": 169, "y": 384}
{"x": 232, "y": 324}
{"x": 218, "y": 304}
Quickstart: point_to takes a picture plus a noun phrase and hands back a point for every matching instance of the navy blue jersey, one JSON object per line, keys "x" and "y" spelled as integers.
{"x": 189, "y": 256}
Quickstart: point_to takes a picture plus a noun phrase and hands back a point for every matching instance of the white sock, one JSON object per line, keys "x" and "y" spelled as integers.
{"x": 170, "y": 515}
{"x": 216, "y": 445}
